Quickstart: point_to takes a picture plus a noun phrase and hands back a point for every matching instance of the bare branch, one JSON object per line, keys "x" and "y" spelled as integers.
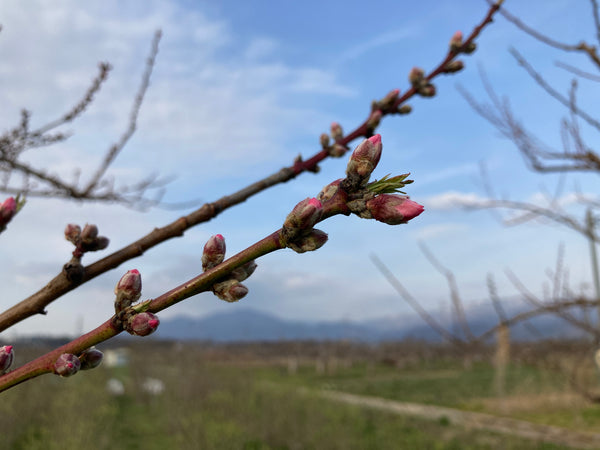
{"x": 453, "y": 287}
{"x": 413, "y": 303}
{"x": 133, "y": 115}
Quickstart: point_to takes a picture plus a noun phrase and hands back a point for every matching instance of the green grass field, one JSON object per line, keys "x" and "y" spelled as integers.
{"x": 252, "y": 402}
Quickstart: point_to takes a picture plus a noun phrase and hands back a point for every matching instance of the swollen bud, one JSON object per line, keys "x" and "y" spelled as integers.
{"x": 416, "y": 76}
{"x": 66, "y": 365}
{"x": 304, "y": 215}
{"x": 72, "y": 233}
{"x": 387, "y": 102}
{"x": 230, "y": 290}
{"x": 142, "y": 324}
{"x": 89, "y": 233}
{"x": 90, "y": 358}
{"x": 336, "y": 131}
{"x": 393, "y": 209}
{"x": 128, "y": 290}
{"x": 456, "y": 41}
{"x": 454, "y": 66}
{"x": 7, "y": 211}
{"x": 324, "y": 140}
{"x": 365, "y": 157}
{"x": 6, "y": 358}
{"x": 214, "y": 252}
{"x": 312, "y": 241}
{"x": 243, "y": 272}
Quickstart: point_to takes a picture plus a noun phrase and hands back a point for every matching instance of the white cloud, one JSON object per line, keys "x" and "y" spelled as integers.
{"x": 452, "y": 200}
{"x": 387, "y": 38}
{"x": 443, "y": 229}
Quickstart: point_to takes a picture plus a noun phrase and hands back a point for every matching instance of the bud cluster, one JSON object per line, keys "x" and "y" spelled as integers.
{"x": 8, "y": 209}
{"x": 417, "y": 78}
{"x": 229, "y": 289}
{"x": 376, "y": 200}
{"x": 86, "y": 240}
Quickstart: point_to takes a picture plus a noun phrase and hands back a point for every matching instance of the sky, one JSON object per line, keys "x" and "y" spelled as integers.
{"x": 238, "y": 91}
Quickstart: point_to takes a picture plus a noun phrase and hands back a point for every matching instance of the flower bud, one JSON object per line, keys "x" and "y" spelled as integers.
{"x": 230, "y": 290}
{"x": 7, "y": 211}
{"x": 128, "y": 290}
{"x": 454, "y": 66}
{"x": 456, "y": 41}
{"x": 386, "y": 102}
{"x": 374, "y": 119}
{"x": 470, "y": 48}
{"x": 393, "y": 209}
{"x": 142, "y": 324}
{"x": 6, "y": 358}
{"x": 72, "y": 233}
{"x": 365, "y": 157}
{"x": 66, "y": 365}
{"x": 329, "y": 191}
{"x": 426, "y": 91}
{"x": 337, "y": 150}
{"x": 214, "y": 252}
{"x": 89, "y": 233}
{"x": 416, "y": 76}
{"x": 324, "y": 139}
{"x": 243, "y": 272}
{"x": 404, "y": 109}
{"x": 312, "y": 241}
{"x": 304, "y": 215}
{"x": 336, "y": 131}
{"x": 90, "y": 358}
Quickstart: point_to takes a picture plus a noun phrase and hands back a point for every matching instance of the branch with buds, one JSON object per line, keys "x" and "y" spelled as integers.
{"x": 333, "y": 145}
{"x": 354, "y": 194}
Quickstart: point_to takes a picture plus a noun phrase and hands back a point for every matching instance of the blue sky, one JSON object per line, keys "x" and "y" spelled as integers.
{"x": 240, "y": 89}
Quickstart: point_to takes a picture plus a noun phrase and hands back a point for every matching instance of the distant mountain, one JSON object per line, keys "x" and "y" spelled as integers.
{"x": 244, "y": 324}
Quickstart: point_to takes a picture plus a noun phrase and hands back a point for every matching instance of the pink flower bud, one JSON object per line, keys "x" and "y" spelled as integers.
{"x": 7, "y": 211}
{"x": 67, "y": 365}
{"x": 142, "y": 324}
{"x": 89, "y": 233}
{"x": 72, "y": 233}
{"x": 90, "y": 358}
{"x": 416, "y": 75}
{"x": 312, "y": 241}
{"x": 6, "y": 358}
{"x": 214, "y": 252}
{"x": 365, "y": 157}
{"x": 336, "y": 131}
{"x": 304, "y": 215}
{"x": 324, "y": 139}
{"x": 128, "y": 289}
{"x": 456, "y": 41}
{"x": 393, "y": 209}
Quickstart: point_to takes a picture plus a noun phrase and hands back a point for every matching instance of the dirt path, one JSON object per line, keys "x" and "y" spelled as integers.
{"x": 476, "y": 420}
